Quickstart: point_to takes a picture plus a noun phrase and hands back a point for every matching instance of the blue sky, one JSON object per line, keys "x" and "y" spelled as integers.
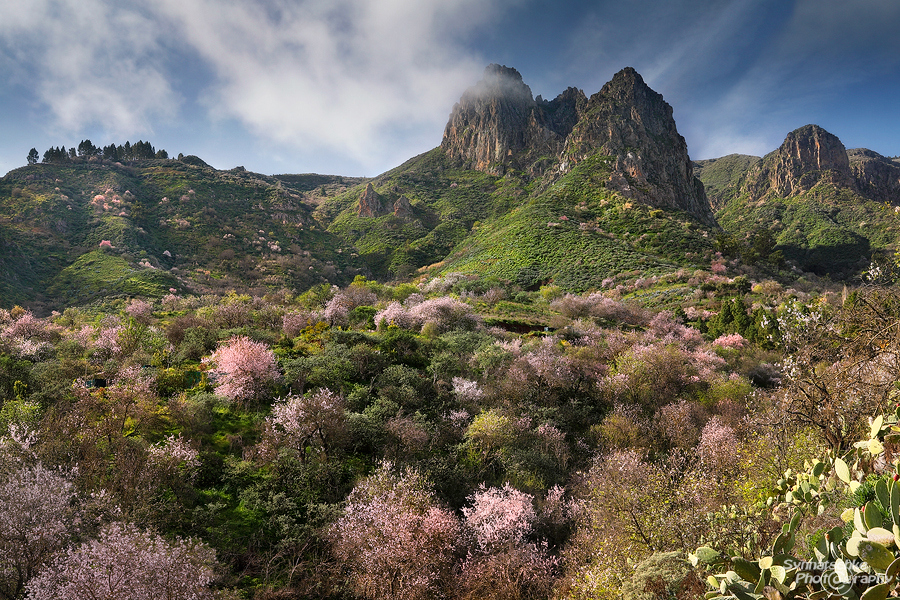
{"x": 355, "y": 87}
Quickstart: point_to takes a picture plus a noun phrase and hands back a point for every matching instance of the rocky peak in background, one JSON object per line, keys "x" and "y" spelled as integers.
{"x": 809, "y": 155}
{"x": 497, "y": 125}
{"x": 876, "y": 176}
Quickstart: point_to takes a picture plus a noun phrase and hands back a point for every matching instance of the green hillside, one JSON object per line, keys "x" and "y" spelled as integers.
{"x": 168, "y": 224}
{"x": 827, "y": 230}
{"x": 572, "y": 231}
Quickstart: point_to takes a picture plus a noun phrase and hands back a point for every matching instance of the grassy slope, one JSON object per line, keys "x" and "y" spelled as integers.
{"x": 574, "y": 233}
{"x": 721, "y": 176}
{"x": 826, "y": 230}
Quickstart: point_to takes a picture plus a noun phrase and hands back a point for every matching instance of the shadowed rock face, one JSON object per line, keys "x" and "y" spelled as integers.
{"x": 808, "y": 156}
{"x": 497, "y": 125}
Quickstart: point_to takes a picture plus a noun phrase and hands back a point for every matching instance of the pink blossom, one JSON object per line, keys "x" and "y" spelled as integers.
{"x": 293, "y": 323}
{"x": 393, "y": 539}
{"x": 734, "y": 340}
{"x": 394, "y": 314}
{"x": 718, "y": 446}
{"x": 125, "y": 562}
{"x": 316, "y": 419}
{"x": 139, "y": 310}
{"x": 106, "y": 244}
{"x": 244, "y": 369}
{"x": 499, "y": 517}
{"x": 35, "y": 521}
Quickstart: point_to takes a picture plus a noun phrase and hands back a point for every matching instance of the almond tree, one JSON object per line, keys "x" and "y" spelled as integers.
{"x": 503, "y": 562}
{"x": 34, "y": 523}
{"x": 245, "y": 369}
{"x": 315, "y": 420}
{"x": 125, "y": 562}
{"x": 394, "y": 541}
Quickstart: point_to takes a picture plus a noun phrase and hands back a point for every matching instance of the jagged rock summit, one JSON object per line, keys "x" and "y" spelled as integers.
{"x": 809, "y": 155}
{"x": 497, "y": 125}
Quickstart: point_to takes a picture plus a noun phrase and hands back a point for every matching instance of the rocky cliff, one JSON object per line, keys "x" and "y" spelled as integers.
{"x": 497, "y": 125}
{"x": 876, "y": 177}
{"x": 630, "y": 121}
{"x": 808, "y": 156}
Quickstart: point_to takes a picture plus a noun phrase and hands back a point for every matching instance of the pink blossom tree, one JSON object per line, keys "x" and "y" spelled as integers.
{"x": 125, "y": 562}
{"x": 35, "y": 521}
{"x": 503, "y": 562}
{"x": 394, "y": 540}
{"x": 316, "y": 421}
{"x": 244, "y": 369}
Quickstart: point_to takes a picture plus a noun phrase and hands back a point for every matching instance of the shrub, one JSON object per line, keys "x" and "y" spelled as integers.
{"x": 663, "y": 576}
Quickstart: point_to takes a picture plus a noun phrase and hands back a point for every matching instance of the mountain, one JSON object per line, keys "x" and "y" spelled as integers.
{"x": 573, "y": 190}
{"x": 82, "y": 230}
{"x": 497, "y": 126}
{"x": 828, "y": 209}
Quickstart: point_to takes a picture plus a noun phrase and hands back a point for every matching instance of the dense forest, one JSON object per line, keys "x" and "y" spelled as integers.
{"x": 416, "y": 441}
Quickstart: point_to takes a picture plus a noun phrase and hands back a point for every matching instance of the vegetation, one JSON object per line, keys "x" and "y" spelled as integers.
{"x": 385, "y": 441}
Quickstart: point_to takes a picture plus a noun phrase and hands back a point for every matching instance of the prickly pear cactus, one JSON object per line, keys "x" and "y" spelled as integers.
{"x": 864, "y": 565}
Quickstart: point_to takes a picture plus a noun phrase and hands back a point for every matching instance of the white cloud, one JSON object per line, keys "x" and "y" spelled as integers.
{"x": 342, "y": 75}
{"x": 90, "y": 62}
{"x": 334, "y": 73}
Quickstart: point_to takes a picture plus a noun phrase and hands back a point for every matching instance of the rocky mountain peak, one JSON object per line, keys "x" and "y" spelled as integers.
{"x": 808, "y": 156}
{"x": 493, "y": 122}
{"x": 628, "y": 120}
{"x": 497, "y": 125}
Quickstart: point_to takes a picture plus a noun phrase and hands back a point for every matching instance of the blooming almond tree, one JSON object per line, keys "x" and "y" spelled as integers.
{"x": 503, "y": 563}
{"x": 394, "y": 540}
{"x": 245, "y": 369}
{"x": 128, "y": 563}
{"x": 34, "y": 523}
{"x": 314, "y": 420}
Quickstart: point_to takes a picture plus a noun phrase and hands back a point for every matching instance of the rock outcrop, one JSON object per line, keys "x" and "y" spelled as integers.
{"x": 809, "y": 156}
{"x": 497, "y": 126}
{"x": 876, "y": 176}
{"x": 402, "y": 207}
{"x": 370, "y": 203}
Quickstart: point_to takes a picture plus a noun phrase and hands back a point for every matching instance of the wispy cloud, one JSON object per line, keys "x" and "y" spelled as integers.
{"x": 89, "y": 62}
{"x": 341, "y": 75}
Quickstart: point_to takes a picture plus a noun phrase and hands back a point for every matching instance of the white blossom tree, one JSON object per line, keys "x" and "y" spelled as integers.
{"x": 35, "y": 520}
{"x": 128, "y": 564}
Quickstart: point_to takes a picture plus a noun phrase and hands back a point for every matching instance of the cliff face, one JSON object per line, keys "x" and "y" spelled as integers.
{"x": 875, "y": 176}
{"x": 497, "y": 125}
{"x": 809, "y": 156}
{"x": 630, "y": 121}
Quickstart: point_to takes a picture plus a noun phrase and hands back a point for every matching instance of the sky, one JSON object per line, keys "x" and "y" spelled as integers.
{"x": 356, "y": 87}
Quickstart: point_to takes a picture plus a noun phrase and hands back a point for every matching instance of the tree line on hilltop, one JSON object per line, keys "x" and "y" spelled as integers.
{"x": 86, "y": 149}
